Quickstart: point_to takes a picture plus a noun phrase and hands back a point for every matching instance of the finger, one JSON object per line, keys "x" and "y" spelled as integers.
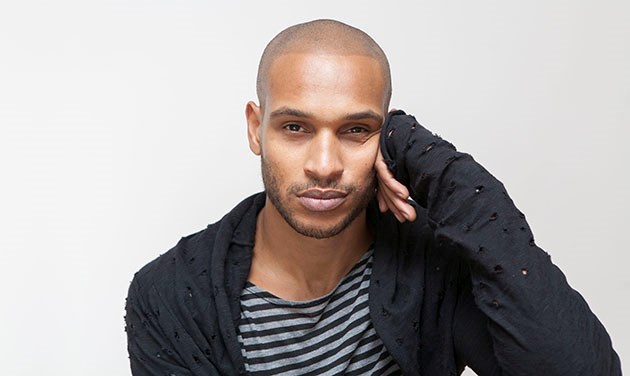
{"x": 392, "y": 192}
{"x": 401, "y": 206}
{"x": 386, "y": 176}
{"x": 382, "y": 205}
{"x": 391, "y": 206}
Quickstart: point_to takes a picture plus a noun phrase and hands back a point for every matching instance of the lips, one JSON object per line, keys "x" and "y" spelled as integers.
{"x": 321, "y": 200}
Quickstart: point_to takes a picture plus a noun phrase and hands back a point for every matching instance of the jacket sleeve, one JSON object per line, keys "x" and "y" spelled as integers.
{"x": 536, "y": 323}
{"x": 150, "y": 352}
{"x": 156, "y": 341}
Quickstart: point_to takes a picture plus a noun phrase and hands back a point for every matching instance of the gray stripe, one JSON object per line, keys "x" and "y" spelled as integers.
{"x": 302, "y": 342}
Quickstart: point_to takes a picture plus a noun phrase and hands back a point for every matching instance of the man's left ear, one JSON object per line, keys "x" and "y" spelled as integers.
{"x": 254, "y": 120}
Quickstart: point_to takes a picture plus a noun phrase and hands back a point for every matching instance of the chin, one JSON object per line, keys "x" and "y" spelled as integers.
{"x": 320, "y": 225}
{"x": 318, "y": 232}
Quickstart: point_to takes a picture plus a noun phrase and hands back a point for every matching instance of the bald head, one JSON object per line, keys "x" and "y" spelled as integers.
{"x": 320, "y": 37}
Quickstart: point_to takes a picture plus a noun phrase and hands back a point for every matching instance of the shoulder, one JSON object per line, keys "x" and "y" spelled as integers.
{"x": 177, "y": 265}
{"x": 190, "y": 261}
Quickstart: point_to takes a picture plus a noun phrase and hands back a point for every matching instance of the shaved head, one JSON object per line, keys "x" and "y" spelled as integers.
{"x": 320, "y": 37}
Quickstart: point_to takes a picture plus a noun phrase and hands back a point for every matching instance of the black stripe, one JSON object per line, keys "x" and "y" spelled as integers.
{"x": 344, "y": 359}
{"x": 293, "y": 353}
{"x": 370, "y": 366}
{"x": 302, "y": 326}
{"x": 290, "y": 316}
{"x": 315, "y": 333}
{"x": 314, "y": 359}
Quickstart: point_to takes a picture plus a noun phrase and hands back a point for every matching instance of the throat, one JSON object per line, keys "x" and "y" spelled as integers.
{"x": 299, "y": 268}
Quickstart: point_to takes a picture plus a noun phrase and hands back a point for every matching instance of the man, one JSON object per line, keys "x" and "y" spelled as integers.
{"x": 310, "y": 277}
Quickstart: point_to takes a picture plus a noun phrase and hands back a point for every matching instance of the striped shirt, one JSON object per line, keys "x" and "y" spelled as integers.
{"x": 331, "y": 335}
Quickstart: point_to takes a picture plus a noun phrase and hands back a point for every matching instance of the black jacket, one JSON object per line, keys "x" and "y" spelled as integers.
{"x": 464, "y": 284}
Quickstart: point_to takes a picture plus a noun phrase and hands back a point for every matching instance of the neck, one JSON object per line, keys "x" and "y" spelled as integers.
{"x": 297, "y": 267}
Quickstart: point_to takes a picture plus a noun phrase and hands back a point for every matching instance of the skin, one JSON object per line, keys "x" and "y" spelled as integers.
{"x": 318, "y": 134}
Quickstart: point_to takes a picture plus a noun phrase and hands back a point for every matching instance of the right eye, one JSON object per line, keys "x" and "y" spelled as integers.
{"x": 292, "y": 127}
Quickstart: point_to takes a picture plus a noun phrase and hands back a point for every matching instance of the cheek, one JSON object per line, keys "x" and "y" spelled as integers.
{"x": 362, "y": 158}
{"x": 282, "y": 165}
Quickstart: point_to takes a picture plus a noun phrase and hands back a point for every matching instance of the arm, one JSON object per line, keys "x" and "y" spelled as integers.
{"x": 156, "y": 341}
{"x": 150, "y": 353}
{"x": 537, "y": 324}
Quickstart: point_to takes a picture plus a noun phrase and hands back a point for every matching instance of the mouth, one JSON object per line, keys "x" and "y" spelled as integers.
{"x": 321, "y": 200}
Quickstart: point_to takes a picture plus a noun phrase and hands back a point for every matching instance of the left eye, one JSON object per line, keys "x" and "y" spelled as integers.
{"x": 357, "y": 130}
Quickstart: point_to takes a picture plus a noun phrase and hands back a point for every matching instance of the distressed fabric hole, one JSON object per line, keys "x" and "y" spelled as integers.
{"x": 478, "y": 188}
{"x": 498, "y": 269}
{"x": 389, "y": 134}
{"x": 450, "y": 160}
{"x": 429, "y": 147}
{"x": 495, "y": 303}
{"x": 524, "y": 271}
{"x": 494, "y": 216}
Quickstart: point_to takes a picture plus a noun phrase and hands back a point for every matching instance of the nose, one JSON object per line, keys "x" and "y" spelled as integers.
{"x": 324, "y": 162}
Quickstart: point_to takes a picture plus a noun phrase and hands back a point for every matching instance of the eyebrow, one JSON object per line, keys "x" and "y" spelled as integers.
{"x": 287, "y": 111}
{"x": 363, "y": 115}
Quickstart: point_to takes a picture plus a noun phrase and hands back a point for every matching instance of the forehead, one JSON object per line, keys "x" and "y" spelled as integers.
{"x": 326, "y": 83}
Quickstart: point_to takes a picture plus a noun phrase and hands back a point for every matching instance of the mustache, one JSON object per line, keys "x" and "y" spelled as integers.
{"x": 322, "y": 184}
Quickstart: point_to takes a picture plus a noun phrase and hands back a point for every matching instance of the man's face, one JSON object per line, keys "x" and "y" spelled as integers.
{"x": 318, "y": 138}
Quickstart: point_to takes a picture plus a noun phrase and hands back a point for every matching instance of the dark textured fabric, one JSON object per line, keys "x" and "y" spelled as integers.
{"x": 464, "y": 284}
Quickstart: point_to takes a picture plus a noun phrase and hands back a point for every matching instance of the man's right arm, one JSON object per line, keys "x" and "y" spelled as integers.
{"x": 150, "y": 352}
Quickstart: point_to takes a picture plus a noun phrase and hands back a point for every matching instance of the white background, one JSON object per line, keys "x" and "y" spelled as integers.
{"x": 122, "y": 129}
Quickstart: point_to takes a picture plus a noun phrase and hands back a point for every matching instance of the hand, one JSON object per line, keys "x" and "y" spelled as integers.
{"x": 391, "y": 194}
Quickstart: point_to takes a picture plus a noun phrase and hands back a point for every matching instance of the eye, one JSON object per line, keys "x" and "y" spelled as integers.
{"x": 292, "y": 127}
{"x": 357, "y": 130}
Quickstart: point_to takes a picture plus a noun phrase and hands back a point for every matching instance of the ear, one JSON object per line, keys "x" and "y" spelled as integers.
{"x": 254, "y": 120}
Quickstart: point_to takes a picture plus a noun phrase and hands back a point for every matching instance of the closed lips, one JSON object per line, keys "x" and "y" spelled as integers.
{"x": 318, "y": 200}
